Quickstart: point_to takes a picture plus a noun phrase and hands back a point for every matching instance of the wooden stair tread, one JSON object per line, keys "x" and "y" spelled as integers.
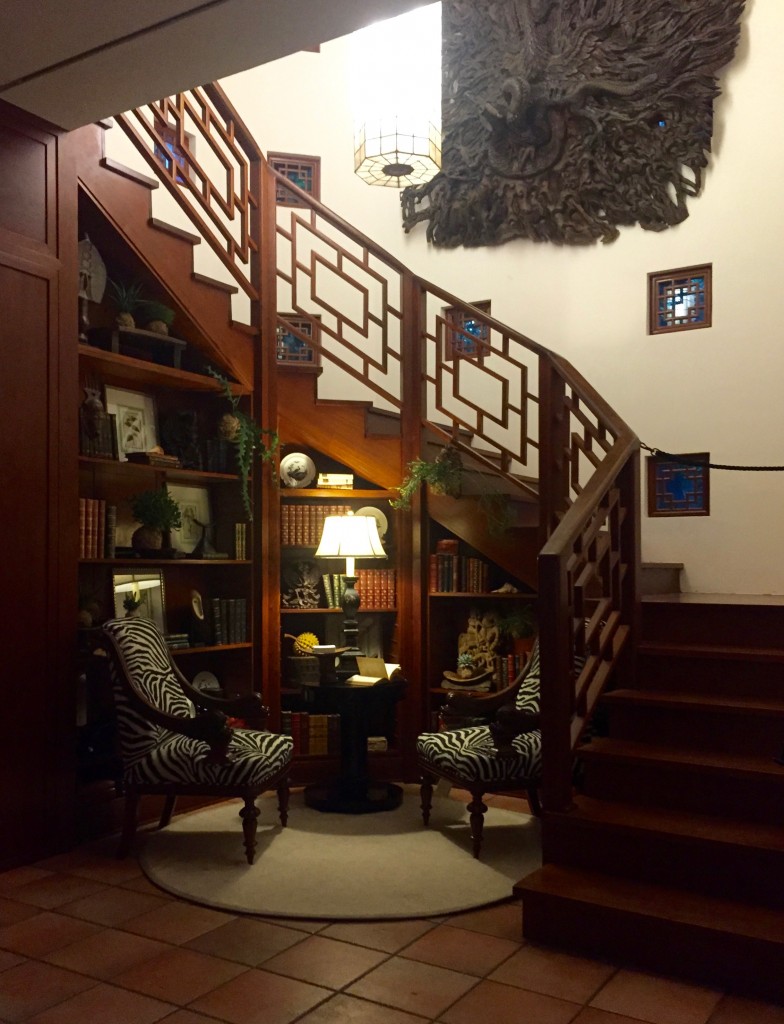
{"x": 655, "y": 901}
{"x": 696, "y": 702}
{"x": 658, "y": 648}
{"x": 128, "y": 172}
{"x": 758, "y": 600}
{"x": 762, "y": 766}
{"x": 172, "y": 229}
{"x": 667, "y": 820}
{"x": 213, "y": 282}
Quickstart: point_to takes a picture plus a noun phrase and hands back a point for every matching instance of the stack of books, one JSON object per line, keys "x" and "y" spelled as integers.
{"x": 154, "y": 459}
{"x": 175, "y": 641}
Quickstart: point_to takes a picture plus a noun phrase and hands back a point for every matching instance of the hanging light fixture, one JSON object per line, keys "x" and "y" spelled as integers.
{"x": 397, "y": 135}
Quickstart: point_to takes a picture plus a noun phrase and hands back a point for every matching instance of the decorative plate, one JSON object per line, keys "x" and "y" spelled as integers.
{"x": 297, "y": 470}
{"x": 205, "y": 681}
{"x": 381, "y": 520}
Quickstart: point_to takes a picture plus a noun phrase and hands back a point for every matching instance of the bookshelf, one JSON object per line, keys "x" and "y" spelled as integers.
{"x": 310, "y": 591}
{"x": 201, "y": 588}
{"x": 476, "y": 606}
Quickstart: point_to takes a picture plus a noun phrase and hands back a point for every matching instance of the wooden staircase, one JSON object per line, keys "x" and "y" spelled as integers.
{"x": 122, "y": 197}
{"x": 673, "y": 856}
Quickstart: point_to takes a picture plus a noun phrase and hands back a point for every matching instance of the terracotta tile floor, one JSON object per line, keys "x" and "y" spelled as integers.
{"x": 85, "y": 939}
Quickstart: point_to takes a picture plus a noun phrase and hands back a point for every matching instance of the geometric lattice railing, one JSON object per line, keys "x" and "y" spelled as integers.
{"x": 516, "y": 408}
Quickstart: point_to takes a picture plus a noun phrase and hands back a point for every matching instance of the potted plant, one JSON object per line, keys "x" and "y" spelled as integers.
{"x": 158, "y": 514}
{"x": 519, "y": 627}
{"x": 247, "y": 437}
{"x": 126, "y": 298}
{"x": 443, "y": 476}
{"x": 155, "y": 316}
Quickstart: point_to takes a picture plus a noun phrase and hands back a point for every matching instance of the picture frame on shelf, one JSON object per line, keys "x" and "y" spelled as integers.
{"x": 135, "y": 420}
{"x": 194, "y": 504}
{"x": 145, "y": 590}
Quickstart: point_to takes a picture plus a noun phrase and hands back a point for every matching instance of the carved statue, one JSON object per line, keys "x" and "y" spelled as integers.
{"x": 300, "y": 586}
{"x": 566, "y": 119}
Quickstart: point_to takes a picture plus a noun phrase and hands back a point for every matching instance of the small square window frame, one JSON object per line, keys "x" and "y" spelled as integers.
{"x": 308, "y": 325}
{"x": 455, "y": 317}
{"x": 704, "y": 270}
{"x": 285, "y": 196}
{"x": 690, "y": 458}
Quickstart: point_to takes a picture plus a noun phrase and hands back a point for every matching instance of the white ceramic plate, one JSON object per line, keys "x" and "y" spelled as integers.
{"x": 205, "y": 681}
{"x": 297, "y": 470}
{"x": 378, "y": 515}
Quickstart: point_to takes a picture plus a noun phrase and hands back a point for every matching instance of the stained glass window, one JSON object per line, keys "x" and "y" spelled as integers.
{"x": 469, "y": 339}
{"x": 291, "y": 349}
{"x": 679, "y": 300}
{"x": 678, "y": 486}
{"x": 302, "y": 171}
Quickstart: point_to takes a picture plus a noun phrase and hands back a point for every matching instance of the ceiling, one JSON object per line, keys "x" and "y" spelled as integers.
{"x": 72, "y": 63}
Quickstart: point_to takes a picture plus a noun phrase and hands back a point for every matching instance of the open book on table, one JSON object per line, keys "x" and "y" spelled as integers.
{"x": 373, "y": 670}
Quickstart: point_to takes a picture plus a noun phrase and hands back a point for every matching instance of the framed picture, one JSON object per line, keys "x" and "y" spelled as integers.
{"x": 194, "y": 503}
{"x": 134, "y": 415}
{"x": 140, "y": 594}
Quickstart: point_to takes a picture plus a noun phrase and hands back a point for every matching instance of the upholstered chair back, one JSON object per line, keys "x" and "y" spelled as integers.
{"x": 140, "y": 660}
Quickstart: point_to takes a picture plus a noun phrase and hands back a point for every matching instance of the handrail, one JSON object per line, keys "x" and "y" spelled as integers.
{"x": 524, "y": 407}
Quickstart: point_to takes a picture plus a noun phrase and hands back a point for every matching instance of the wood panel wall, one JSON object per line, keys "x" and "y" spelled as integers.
{"x": 38, "y": 487}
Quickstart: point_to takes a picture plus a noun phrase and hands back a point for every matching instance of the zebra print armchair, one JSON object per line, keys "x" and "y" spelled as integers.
{"x": 175, "y": 740}
{"x": 502, "y": 754}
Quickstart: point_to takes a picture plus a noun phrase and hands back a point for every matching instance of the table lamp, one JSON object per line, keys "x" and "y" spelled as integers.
{"x": 350, "y": 537}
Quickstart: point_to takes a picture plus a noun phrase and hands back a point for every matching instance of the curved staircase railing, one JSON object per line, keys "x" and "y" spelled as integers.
{"x": 513, "y": 407}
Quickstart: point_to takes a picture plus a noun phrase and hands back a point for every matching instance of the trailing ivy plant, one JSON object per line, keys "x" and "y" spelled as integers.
{"x": 497, "y": 509}
{"x": 444, "y": 476}
{"x": 247, "y": 437}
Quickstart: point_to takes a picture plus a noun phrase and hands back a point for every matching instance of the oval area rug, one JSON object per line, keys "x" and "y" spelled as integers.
{"x": 343, "y": 866}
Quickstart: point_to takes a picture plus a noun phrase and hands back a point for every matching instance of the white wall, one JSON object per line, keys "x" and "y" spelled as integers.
{"x": 713, "y": 390}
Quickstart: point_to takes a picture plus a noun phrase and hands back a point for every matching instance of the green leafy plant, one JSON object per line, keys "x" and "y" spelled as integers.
{"x": 497, "y": 509}
{"x": 443, "y": 475}
{"x": 157, "y": 510}
{"x": 150, "y": 310}
{"x": 519, "y": 623}
{"x": 247, "y": 437}
{"x": 126, "y": 297}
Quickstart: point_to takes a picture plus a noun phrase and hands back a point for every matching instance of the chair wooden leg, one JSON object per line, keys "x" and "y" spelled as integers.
{"x": 477, "y": 810}
{"x": 426, "y": 797}
{"x": 283, "y": 802}
{"x": 129, "y": 823}
{"x": 533, "y": 800}
{"x": 168, "y": 810}
{"x": 249, "y": 814}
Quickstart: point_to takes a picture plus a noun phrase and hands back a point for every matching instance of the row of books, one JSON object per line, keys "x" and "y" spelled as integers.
{"x": 229, "y": 620}
{"x": 376, "y": 588}
{"x": 301, "y": 524}
{"x": 97, "y": 528}
{"x": 312, "y": 734}
{"x": 450, "y": 574}
{"x": 507, "y": 668}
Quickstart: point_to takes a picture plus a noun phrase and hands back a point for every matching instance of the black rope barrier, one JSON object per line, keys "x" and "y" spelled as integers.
{"x": 711, "y": 465}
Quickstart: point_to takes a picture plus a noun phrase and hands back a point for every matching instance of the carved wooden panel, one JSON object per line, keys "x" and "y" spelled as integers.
{"x": 564, "y": 120}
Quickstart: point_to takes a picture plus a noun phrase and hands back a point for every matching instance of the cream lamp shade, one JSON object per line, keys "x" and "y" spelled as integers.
{"x": 350, "y": 537}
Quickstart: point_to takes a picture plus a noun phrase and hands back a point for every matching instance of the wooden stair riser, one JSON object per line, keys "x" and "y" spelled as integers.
{"x": 699, "y": 729}
{"x": 743, "y": 624}
{"x": 749, "y": 966}
{"x": 703, "y": 674}
{"x": 686, "y": 787}
{"x": 695, "y": 863}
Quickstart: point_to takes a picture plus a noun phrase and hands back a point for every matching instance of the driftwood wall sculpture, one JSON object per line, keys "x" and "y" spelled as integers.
{"x": 566, "y": 119}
